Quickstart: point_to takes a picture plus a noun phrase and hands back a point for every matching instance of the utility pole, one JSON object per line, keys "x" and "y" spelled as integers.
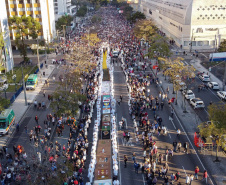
{"x": 25, "y": 96}
{"x": 191, "y": 40}
{"x": 64, "y": 32}
{"x": 38, "y": 54}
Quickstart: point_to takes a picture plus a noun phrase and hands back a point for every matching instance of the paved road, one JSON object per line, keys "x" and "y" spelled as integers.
{"x": 184, "y": 163}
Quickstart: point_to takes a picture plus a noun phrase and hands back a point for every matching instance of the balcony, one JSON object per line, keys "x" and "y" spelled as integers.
{"x": 37, "y": 5}
{"x": 12, "y": 6}
{"x": 13, "y": 13}
{"x": 37, "y": 12}
{"x": 38, "y": 19}
{"x": 28, "y": 5}
{"x": 29, "y": 12}
{"x": 21, "y": 12}
{"x": 20, "y": 5}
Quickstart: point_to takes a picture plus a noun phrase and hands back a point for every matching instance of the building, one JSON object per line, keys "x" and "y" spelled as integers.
{"x": 7, "y": 62}
{"x": 41, "y": 10}
{"x": 63, "y": 7}
{"x": 194, "y": 24}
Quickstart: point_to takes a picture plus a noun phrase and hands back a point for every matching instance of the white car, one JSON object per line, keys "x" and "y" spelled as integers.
{"x": 197, "y": 103}
{"x": 189, "y": 94}
{"x": 213, "y": 85}
{"x": 205, "y": 78}
{"x": 221, "y": 94}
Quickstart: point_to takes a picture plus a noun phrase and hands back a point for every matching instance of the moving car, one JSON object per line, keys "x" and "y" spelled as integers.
{"x": 197, "y": 103}
{"x": 213, "y": 85}
{"x": 115, "y": 54}
{"x": 189, "y": 94}
{"x": 32, "y": 81}
{"x": 204, "y": 78}
{"x": 221, "y": 94}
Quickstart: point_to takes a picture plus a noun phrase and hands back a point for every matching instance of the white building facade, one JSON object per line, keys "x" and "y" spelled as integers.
{"x": 7, "y": 57}
{"x": 200, "y": 22}
{"x": 63, "y": 7}
{"x": 41, "y": 10}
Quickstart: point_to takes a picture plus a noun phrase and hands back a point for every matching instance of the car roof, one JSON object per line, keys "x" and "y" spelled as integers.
{"x": 205, "y": 76}
{"x": 196, "y": 99}
{"x": 215, "y": 83}
{"x": 223, "y": 92}
{"x": 189, "y": 91}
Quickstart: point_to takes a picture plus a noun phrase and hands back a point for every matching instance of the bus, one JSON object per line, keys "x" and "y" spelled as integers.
{"x": 32, "y": 81}
{"x": 7, "y": 119}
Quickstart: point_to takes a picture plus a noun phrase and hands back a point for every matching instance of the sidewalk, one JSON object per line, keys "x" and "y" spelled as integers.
{"x": 18, "y": 105}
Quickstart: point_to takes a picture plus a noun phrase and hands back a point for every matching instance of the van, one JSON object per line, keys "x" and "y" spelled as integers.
{"x": 32, "y": 81}
{"x": 3, "y": 83}
{"x": 7, "y": 119}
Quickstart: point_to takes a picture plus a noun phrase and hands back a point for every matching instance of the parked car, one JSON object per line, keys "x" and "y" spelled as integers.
{"x": 213, "y": 85}
{"x": 197, "y": 103}
{"x": 221, "y": 94}
{"x": 3, "y": 83}
{"x": 204, "y": 78}
{"x": 189, "y": 94}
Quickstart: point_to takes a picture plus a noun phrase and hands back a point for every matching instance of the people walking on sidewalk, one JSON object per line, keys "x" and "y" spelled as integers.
{"x": 196, "y": 172}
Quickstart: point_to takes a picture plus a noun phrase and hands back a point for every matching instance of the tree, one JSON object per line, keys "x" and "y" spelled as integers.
{"x": 177, "y": 72}
{"x": 81, "y": 11}
{"x": 222, "y": 47}
{"x": 24, "y": 27}
{"x": 137, "y": 16}
{"x": 3, "y": 104}
{"x": 95, "y": 19}
{"x": 144, "y": 29}
{"x": 64, "y": 20}
{"x": 91, "y": 38}
{"x": 217, "y": 127}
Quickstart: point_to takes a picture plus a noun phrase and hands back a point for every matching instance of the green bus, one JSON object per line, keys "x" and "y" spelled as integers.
{"x": 32, "y": 81}
{"x": 7, "y": 119}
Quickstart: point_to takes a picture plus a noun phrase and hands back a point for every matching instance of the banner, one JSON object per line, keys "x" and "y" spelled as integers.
{"x": 106, "y": 88}
{"x": 103, "y": 182}
{"x": 106, "y": 110}
{"x": 106, "y": 98}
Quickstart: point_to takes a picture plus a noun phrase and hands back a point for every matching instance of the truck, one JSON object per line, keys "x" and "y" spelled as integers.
{"x": 7, "y": 119}
{"x": 217, "y": 57}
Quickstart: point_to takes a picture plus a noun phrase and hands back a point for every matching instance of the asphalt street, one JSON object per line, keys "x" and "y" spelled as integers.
{"x": 184, "y": 163}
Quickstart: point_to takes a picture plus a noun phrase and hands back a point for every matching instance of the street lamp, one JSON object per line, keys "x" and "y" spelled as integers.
{"x": 5, "y": 92}
{"x": 25, "y": 96}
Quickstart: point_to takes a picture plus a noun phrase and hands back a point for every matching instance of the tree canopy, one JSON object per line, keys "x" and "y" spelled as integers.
{"x": 144, "y": 29}
{"x": 2, "y": 43}
{"x": 222, "y": 47}
{"x": 24, "y": 27}
{"x": 64, "y": 20}
{"x": 82, "y": 11}
{"x": 137, "y": 16}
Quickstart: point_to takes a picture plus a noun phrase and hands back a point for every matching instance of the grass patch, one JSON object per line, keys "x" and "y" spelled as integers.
{"x": 17, "y": 70}
{"x": 11, "y": 88}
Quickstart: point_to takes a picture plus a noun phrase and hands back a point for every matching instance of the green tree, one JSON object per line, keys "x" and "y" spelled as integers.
{"x": 3, "y": 104}
{"x": 64, "y": 20}
{"x": 217, "y": 127}
{"x": 95, "y": 19}
{"x": 82, "y": 11}
{"x": 24, "y": 27}
{"x": 137, "y": 16}
{"x": 222, "y": 47}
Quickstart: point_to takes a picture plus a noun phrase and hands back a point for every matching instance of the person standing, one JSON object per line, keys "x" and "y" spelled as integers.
{"x": 179, "y": 146}
{"x": 121, "y": 97}
{"x": 191, "y": 178}
{"x": 187, "y": 179}
{"x": 175, "y": 145}
{"x": 205, "y": 176}
{"x": 186, "y": 146}
{"x": 125, "y": 161}
{"x": 196, "y": 172}
{"x": 36, "y": 119}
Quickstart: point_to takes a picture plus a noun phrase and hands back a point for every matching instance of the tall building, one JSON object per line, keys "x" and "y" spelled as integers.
{"x": 63, "y": 7}
{"x": 7, "y": 57}
{"x": 194, "y": 24}
{"x": 41, "y": 10}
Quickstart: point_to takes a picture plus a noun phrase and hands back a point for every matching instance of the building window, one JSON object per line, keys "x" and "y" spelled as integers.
{"x": 206, "y": 43}
{"x": 186, "y": 43}
{"x": 200, "y": 43}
